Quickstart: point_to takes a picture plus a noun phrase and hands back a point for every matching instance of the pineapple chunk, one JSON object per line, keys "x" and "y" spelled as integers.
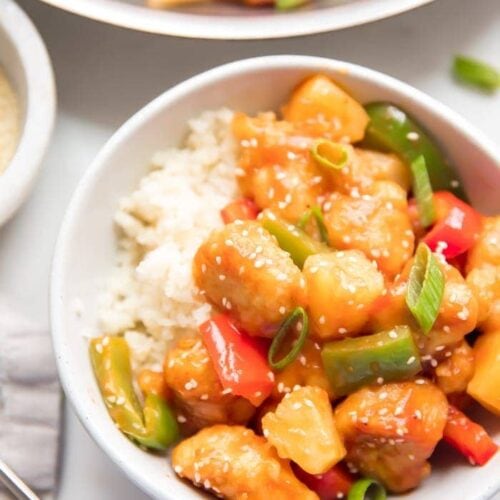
{"x": 302, "y": 429}
{"x": 484, "y": 384}
{"x": 320, "y": 108}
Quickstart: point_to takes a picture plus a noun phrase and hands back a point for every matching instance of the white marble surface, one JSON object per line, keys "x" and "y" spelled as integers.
{"x": 104, "y": 74}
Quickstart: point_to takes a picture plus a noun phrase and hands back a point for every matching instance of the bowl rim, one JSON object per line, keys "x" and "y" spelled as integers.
{"x": 69, "y": 380}
{"x": 40, "y": 110}
{"x": 233, "y": 27}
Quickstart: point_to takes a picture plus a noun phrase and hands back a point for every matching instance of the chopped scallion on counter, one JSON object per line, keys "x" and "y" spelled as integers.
{"x": 476, "y": 73}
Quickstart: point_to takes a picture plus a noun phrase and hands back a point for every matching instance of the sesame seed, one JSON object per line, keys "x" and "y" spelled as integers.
{"x": 418, "y": 414}
{"x": 327, "y": 206}
{"x": 259, "y": 263}
{"x": 105, "y": 341}
{"x": 412, "y": 136}
{"x": 178, "y": 469}
{"x": 410, "y": 360}
{"x": 98, "y": 348}
{"x": 218, "y": 259}
{"x": 364, "y": 420}
{"x": 181, "y": 419}
{"x": 380, "y": 380}
{"x": 222, "y": 277}
{"x": 322, "y": 320}
{"x": 342, "y": 330}
{"x": 393, "y": 334}
{"x": 229, "y": 243}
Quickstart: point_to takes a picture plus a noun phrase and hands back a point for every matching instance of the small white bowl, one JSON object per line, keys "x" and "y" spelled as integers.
{"x": 27, "y": 64}
{"x": 85, "y": 251}
{"x": 236, "y": 21}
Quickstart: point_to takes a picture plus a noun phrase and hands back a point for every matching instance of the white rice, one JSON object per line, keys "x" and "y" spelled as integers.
{"x": 151, "y": 297}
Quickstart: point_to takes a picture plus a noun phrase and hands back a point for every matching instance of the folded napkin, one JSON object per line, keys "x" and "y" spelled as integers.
{"x": 29, "y": 400}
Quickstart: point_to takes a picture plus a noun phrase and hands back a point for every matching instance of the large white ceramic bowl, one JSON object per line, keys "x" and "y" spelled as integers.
{"x": 26, "y": 62}
{"x": 235, "y": 21}
{"x": 86, "y": 248}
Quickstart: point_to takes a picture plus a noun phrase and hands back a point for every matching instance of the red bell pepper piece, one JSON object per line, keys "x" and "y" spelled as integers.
{"x": 333, "y": 484}
{"x": 238, "y": 359}
{"x": 468, "y": 438}
{"x": 240, "y": 209}
{"x": 457, "y": 228}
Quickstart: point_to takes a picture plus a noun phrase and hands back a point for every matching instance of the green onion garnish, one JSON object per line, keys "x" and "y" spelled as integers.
{"x": 329, "y": 154}
{"x": 476, "y": 73}
{"x": 425, "y": 288}
{"x": 289, "y": 4}
{"x": 285, "y": 327}
{"x": 422, "y": 191}
{"x": 320, "y": 222}
{"x": 361, "y": 488}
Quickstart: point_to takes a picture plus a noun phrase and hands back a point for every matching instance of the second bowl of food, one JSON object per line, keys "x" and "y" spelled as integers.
{"x": 278, "y": 278}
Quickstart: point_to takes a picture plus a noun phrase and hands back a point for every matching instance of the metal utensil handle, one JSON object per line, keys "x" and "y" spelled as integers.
{"x": 14, "y": 483}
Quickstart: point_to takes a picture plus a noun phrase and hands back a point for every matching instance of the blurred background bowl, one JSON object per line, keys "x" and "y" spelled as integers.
{"x": 236, "y": 21}
{"x": 25, "y": 60}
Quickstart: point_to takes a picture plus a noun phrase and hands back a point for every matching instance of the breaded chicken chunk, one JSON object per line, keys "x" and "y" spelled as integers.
{"x": 199, "y": 397}
{"x": 487, "y": 248}
{"x": 456, "y": 318}
{"x": 241, "y": 269}
{"x": 235, "y": 463}
{"x": 485, "y": 284}
{"x": 377, "y": 223}
{"x": 390, "y": 431}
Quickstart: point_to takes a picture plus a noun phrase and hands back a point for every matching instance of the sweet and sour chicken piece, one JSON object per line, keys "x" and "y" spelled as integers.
{"x": 487, "y": 248}
{"x": 456, "y": 318}
{"x": 377, "y": 223}
{"x": 390, "y": 431}
{"x": 199, "y": 397}
{"x": 306, "y": 369}
{"x": 341, "y": 288}
{"x": 364, "y": 167}
{"x": 289, "y": 190}
{"x": 455, "y": 372}
{"x": 242, "y": 270}
{"x": 485, "y": 284}
{"x": 302, "y": 429}
{"x": 235, "y": 463}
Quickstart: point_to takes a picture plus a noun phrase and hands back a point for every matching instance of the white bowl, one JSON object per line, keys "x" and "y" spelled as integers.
{"x": 26, "y": 62}
{"x": 86, "y": 247}
{"x": 235, "y": 21}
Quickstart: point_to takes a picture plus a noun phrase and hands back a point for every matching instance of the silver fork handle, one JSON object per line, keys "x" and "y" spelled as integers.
{"x": 14, "y": 483}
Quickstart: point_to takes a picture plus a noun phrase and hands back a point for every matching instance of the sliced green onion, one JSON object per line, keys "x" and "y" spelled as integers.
{"x": 289, "y": 4}
{"x": 367, "y": 488}
{"x": 329, "y": 154}
{"x": 320, "y": 222}
{"x": 476, "y": 73}
{"x": 422, "y": 191}
{"x": 425, "y": 288}
{"x": 294, "y": 316}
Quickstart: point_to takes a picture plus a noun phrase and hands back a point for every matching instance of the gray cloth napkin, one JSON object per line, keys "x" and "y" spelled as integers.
{"x": 29, "y": 400}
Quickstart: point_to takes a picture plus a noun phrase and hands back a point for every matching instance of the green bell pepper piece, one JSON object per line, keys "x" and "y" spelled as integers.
{"x": 355, "y": 362}
{"x": 391, "y": 130}
{"x": 293, "y": 240}
{"x": 153, "y": 426}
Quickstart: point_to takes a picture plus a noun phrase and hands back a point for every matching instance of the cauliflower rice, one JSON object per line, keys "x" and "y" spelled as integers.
{"x": 151, "y": 298}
